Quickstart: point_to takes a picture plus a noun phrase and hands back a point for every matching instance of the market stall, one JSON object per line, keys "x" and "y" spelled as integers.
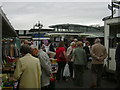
{"x": 10, "y": 52}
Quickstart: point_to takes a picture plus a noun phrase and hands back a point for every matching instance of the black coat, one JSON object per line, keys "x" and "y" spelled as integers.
{"x": 86, "y": 48}
{"x": 51, "y": 48}
{"x": 117, "y": 56}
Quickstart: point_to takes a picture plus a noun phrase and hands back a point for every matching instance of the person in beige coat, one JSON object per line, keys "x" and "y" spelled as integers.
{"x": 28, "y": 69}
{"x": 98, "y": 53}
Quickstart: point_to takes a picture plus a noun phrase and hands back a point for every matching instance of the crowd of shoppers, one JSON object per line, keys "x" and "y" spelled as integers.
{"x": 33, "y": 70}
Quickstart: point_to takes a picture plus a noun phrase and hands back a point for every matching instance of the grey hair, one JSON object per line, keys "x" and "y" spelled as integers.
{"x": 33, "y": 47}
{"x": 72, "y": 43}
{"x": 97, "y": 40}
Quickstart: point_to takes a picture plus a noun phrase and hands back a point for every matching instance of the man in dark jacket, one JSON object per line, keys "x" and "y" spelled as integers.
{"x": 87, "y": 50}
{"x": 51, "y": 47}
{"x": 117, "y": 58}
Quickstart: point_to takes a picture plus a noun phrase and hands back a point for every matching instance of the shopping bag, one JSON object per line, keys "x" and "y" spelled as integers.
{"x": 66, "y": 71}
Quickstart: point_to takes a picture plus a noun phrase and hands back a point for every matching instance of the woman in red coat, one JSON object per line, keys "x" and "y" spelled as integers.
{"x": 61, "y": 60}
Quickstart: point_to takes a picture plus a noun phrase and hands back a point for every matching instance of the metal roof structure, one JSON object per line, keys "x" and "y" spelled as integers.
{"x": 73, "y": 34}
{"x": 37, "y": 30}
{"x": 76, "y": 29}
{"x": 7, "y": 28}
{"x": 66, "y": 26}
{"x": 109, "y": 17}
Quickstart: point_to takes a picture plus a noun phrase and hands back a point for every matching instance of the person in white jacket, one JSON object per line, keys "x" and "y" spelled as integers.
{"x": 70, "y": 56}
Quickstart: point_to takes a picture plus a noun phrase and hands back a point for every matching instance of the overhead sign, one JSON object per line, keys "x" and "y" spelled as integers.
{"x": 37, "y": 35}
{"x": 116, "y": 6}
{"x": 114, "y": 11}
{"x": 116, "y": 1}
{"x": 109, "y": 7}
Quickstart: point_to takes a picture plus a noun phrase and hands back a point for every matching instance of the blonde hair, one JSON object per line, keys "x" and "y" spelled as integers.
{"x": 79, "y": 43}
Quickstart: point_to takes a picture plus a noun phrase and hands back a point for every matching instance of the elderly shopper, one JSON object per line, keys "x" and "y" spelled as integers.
{"x": 70, "y": 56}
{"x": 79, "y": 63}
{"x": 98, "y": 53}
{"x": 28, "y": 69}
{"x": 45, "y": 66}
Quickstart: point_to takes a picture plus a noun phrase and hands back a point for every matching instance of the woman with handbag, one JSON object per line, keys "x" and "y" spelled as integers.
{"x": 61, "y": 60}
{"x": 70, "y": 56}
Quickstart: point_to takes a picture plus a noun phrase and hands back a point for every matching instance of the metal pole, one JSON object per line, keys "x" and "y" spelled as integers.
{"x": 112, "y": 9}
{"x": 39, "y": 39}
{"x": 0, "y": 43}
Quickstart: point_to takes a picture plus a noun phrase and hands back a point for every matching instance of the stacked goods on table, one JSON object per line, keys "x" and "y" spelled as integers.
{"x": 54, "y": 67}
{"x": 7, "y": 82}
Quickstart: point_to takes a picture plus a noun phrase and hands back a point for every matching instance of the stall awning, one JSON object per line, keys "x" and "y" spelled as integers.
{"x": 42, "y": 38}
{"x": 79, "y": 34}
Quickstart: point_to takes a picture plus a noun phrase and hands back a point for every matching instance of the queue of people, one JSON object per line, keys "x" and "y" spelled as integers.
{"x": 33, "y": 70}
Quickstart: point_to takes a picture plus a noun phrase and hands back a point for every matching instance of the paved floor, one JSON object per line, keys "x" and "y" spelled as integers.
{"x": 106, "y": 83}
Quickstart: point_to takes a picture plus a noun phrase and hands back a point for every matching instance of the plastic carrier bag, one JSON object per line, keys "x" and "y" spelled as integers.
{"x": 66, "y": 71}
